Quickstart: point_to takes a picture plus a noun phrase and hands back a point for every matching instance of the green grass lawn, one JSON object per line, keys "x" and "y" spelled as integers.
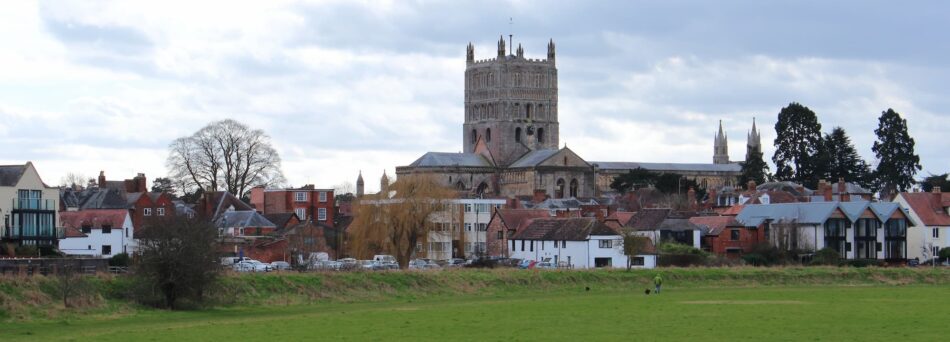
{"x": 768, "y": 313}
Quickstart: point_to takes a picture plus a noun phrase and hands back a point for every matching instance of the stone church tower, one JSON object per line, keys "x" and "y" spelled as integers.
{"x": 721, "y": 147}
{"x": 510, "y": 103}
{"x": 753, "y": 142}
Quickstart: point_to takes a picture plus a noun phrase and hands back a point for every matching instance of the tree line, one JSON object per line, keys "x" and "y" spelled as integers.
{"x": 804, "y": 155}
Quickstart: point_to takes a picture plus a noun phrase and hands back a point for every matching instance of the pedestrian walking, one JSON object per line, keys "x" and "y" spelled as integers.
{"x": 657, "y": 282}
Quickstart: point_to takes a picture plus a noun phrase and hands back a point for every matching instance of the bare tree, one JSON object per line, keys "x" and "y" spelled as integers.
{"x": 344, "y": 188}
{"x": 70, "y": 283}
{"x": 634, "y": 245}
{"x": 224, "y": 155}
{"x": 399, "y": 223}
{"x": 177, "y": 257}
{"x": 73, "y": 179}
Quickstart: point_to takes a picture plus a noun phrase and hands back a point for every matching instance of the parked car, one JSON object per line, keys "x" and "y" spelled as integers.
{"x": 371, "y": 265}
{"x": 417, "y": 264}
{"x": 326, "y": 265}
{"x": 349, "y": 264}
{"x": 545, "y": 265}
{"x": 280, "y": 265}
{"x": 387, "y": 261}
{"x": 455, "y": 262}
{"x": 230, "y": 261}
{"x": 524, "y": 264}
{"x": 251, "y": 266}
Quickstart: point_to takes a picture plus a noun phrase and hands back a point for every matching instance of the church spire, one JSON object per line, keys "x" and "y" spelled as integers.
{"x": 721, "y": 147}
{"x": 384, "y": 182}
{"x": 753, "y": 141}
{"x": 359, "y": 185}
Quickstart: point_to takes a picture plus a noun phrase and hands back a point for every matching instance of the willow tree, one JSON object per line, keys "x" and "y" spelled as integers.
{"x": 398, "y": 220}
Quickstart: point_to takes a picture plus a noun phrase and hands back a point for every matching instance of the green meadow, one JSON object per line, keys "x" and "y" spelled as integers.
{"x": 696, "y": 304}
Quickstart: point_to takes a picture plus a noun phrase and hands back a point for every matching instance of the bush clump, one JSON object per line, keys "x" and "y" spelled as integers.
{"x": 826, "y": 256}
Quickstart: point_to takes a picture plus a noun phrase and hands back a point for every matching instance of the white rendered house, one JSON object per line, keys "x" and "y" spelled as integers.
{"x": 98, "y": 232}
{"x": 579, "y": 242}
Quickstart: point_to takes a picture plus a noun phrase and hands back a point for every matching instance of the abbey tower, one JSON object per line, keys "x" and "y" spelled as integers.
{"x": 510, "y": 103}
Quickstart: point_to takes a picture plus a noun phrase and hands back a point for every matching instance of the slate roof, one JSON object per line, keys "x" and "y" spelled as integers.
{"x": 648, "y": 219}
{"x": 533, "y": 158}
{"x": 280, "y": 220}
{"x": 930, "y": 207}
{"x": 440, "y": 159}
{"x": 571, "y": 229}
{"x": 561, "y": 203}
{"x": 713, "y": 225}
{"x": 676, "y": 224}
{"x": 850, "y": 188}
{"x": 790, "y": 187}
{"x": 732, "y": 167}
{"x": 93, "y": 198}
{"x": 242, "y": 219}
{"x": 10, "y": 174}
{"x": 754, "y": 215}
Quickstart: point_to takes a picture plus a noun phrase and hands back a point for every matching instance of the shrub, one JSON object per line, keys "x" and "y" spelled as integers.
{"x": 755, "y": 259}
{"x": 677, "y": 254}
{"x": 944, "y": 253}
{"x": 826, "y": 256}
{"x": 28, "y": 251}
{"x": 119, "y": 260}
{"x": 865, "y": 262}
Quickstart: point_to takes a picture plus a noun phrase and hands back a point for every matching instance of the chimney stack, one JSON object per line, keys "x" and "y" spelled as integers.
{"x": 691, "y": 198}
{"x": 750, "y": 185}
{"x": 825, "y": 188}
{"x": 843, "y": 194}
{"x": 539, "y": 196}
{"x": 102, "y": 179}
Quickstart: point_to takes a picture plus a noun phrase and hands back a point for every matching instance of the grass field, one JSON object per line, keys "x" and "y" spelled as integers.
{"x": 764, "y": 313}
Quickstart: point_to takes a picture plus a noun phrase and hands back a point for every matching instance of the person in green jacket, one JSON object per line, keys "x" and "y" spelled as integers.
{"x": 657, "y": 281}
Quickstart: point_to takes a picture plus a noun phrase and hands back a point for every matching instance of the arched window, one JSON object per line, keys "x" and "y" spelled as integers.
{"x": 573, "y": 187}
{"x": 481, "y": 188}
{"x": 488, "y": 135}
{"x": 559, "y": 188}
{"x": 527, "y": 111}
{"x": 540, "y": 135}
{"x": 518, "y": 134}
{"x": 459, "y": 185}
{"x": 541, "y": 114}
{"x": 474, "y": 136}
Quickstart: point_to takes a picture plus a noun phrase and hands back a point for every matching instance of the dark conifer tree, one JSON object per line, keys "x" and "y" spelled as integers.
{"x": 843, "y": 160}
{"x": 797, "y": 142}
{"x": 897, "y": 162}
{"x": 754, "y": 169}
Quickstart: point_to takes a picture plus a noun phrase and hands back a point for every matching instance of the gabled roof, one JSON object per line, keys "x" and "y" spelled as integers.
{"x": 114, "y": 218}
{"x": 93, "y": 198}
{"x": 442, "y": 159}
{"x": 621, "y": 217}
{"x": 804, "y": 213}
{"x": 929, "y": 207}
{"x": 242, "y": 219}
{"x": 562, "y": 203}
{"x": 517, "y": 218}
{"x": 648, "y": 219}
{"x": 732, "y": 167}
{"x": 676, "y": 224}
{"x": 713, "y": 225}
{"x": 533, "y": 158}
{"x": 571, "y": 229}
{"x": 10, "y": 174}
{"x": 280, "y": 220}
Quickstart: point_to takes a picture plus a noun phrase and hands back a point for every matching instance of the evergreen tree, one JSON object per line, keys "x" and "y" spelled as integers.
{"x": 897, "y": 162}
{"x": 754, "y": 169}
{"x": 932, "y": 181}
{"x": 797, "y": 142}
{"x": 843, "y": 160}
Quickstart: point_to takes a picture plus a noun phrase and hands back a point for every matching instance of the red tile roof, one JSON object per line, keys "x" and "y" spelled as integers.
{"x": 732, "y": 211}
{"x": 74, "y": 220}
{"x": 621, "y": 217}
{"x": 930, "y": 207}
{"x": 518, "y": 218}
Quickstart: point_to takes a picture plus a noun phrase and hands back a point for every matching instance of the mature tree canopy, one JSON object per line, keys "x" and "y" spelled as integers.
{"x": 932, "y": 181}
{"x": 755, "y": 169}
{"x": 224, "y": 155}
{"x": 633, "y": 180}
{"x": 797, "y": 141}
{"x": 162, "y": 184}
{"x": 634, "y": 245}
{"x": 177, "y": 256}
{"x": 843, "y": 161}
{"x": 73, "y": 178}
{"x": 897, "y": 162}
{"x": 394, "y": 222}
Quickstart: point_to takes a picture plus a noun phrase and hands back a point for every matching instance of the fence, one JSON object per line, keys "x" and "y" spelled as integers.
{"x": 44, "y": 266}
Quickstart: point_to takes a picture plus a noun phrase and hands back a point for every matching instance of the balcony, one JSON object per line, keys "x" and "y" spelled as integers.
{"x": 33, "y": 233}
{"x": 23, "y": 204}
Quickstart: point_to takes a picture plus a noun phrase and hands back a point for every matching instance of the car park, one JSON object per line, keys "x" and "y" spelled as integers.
{"x": 349, "y": 264}
{"x": 280, "y": 265}
{"x": 455, "y": 262}
{"x": 251, "y": 266}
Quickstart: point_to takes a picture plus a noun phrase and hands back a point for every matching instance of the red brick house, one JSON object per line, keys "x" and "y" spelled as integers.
{"x": 725, "y": 236}
{"x": 147, "y": 205}
{"x": 308, "y": 202}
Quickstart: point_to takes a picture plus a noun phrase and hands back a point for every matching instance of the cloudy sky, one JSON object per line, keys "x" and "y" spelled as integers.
{"x": 344, "y": 86}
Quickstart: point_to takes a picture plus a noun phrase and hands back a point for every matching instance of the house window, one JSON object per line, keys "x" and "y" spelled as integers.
{"x": 835, "y": 236}
{"x": 468, "y": 208}
{"x": 147, "y": 211}
{"x": 86, "y": 229}
{"x": 936, "y": 233}
{"x": 734, "y": 235}
{"x": 501, "y": 235}
{"x": 895, "y": 239}
{"x": 106, "y": 229}
{"x": 512, "y": 245}
{"x": 518, "y": 134}
{"x": 301, "y": 213}
{"x": 161, "y": 211}
{"x": 321, "y": 214}
{"x": 323, "y": 196}
{"x": 935, "y": 251}
{"x": 865, "y": 236}
{"x": 563, "y": 243}
{"x": 637, "y": 261}
{"x": 522, "y": 245}
{"x": 542, "y": 244}
{"x": 106, "y": 250}
{"x": 540, "y": 135}
{"x": 488, "y": 135}
{"x": 532, "y": 246}
{"x": 468, "y": 227}
{"x": 605, "y": 243}
{"x": 482, "y": 227}
{"x": 300, "y": 196}
{"x": 574, "y": 185}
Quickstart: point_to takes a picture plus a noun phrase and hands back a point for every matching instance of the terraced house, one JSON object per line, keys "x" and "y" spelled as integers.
{"x": 28, "y": 207}
{"x": 930, "y": 218}
{"x": 856, "y": 230}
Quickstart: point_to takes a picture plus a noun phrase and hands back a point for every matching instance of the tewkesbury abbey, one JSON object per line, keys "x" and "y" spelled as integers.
{"x": 511, "y": 144}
